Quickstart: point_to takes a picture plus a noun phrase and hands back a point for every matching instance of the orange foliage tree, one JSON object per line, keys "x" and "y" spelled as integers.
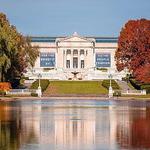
{"x": 133, "y": 50}
{"x": 5, "y": 86}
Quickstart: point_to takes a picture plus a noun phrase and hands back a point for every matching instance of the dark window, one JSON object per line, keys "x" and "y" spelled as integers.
{"x": 68, "y": 64}
{"x": 75, "y": 52}
{"x": 82, "y": 63}
{"x": 75, "y": 62}
{"x": 82, "y": 52}
{"x": 68, "y": 51}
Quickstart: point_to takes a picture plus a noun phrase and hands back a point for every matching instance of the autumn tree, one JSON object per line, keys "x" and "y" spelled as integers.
{"x": 16, "y": 51}
{"x": 133, "y": 50}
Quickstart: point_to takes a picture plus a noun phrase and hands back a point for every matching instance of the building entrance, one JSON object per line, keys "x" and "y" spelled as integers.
{"x": 75, "y": 62}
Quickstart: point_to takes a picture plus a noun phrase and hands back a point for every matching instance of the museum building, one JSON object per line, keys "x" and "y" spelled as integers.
{"x": 75, "y": 58}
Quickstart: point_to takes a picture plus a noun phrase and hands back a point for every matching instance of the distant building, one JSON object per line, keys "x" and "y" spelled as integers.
{"x": 75, "y": 58}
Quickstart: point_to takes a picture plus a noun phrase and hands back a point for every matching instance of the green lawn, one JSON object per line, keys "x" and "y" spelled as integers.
{"x": 76, "y": 87}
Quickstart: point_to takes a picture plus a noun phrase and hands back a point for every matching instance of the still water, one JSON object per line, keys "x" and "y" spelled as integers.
{"x": 74, "y": 125}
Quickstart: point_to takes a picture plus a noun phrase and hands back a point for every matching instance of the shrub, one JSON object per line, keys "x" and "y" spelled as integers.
{"x": 146, "y": 87}
{"x": 106, "y": 84}
{"x": 102, "y": 69}
{"x": 44, "y": 84}
{"x": 18, "y": 95}
{"x": 25, "y": 78}
{"x": 34, "y": 94}
{"x": 140, "y": 86}
{"x": 117, "y": 93}
{"x": 135, "y": 84}
{"x": 5, "y": 86}
{"x": 47, "y": 69}
{"x": 2, "y": 93}
{"x": 22, "y": 81}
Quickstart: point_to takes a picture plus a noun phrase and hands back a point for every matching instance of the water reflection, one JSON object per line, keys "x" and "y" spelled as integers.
{"x": 51, "y": 125}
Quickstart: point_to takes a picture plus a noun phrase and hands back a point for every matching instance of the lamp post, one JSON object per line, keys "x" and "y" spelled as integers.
{"x": 39, "y": 87}
{"x": 110, "y": 87}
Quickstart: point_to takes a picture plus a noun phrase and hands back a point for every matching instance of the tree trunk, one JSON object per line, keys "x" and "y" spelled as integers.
{"x": 2, "y": 74}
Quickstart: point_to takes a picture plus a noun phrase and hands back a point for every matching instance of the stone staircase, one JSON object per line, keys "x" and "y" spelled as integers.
{"x": 123, "y": 85}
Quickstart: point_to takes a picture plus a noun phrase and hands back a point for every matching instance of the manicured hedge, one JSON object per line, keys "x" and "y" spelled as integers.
{"x": 102, "y": 69}
{"x": 146, "y": 87}
{"x": 117, "y": 93}
{"x": 44, "y": 84}
{"x": 2, "y": 93}
{"x": 140, "y": 86}
{"x": 106, "y": 84}
{"x": 135, "y": 84}
{"x": 34, "y": 94}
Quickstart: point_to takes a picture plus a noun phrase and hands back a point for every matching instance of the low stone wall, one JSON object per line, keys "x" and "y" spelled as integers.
{"x": 131, "y": 92}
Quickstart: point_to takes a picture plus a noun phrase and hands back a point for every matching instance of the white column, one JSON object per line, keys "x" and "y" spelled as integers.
{"x": 113, "y": 126}
{"x": 84, "y": 58}
{"x": 79, "y": 61}
{"x": 94, "y": 58}
{"x": 71, "y": 59}
{"x": 64, "y": 56}
{"x": 56, "y": 55}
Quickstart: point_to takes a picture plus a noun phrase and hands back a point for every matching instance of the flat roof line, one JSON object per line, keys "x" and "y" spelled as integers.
{"x": 100, "y": 37}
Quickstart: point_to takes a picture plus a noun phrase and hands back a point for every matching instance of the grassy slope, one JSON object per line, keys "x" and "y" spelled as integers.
{"x": 130, "y": 85}
{"x": 76, "y": 87}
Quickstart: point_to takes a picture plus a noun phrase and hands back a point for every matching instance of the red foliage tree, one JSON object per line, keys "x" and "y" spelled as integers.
{"x": 134, "y": 49}
{"x": 143, "y": 73}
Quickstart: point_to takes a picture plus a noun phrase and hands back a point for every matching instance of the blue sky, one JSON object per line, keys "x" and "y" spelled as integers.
{"x": 63, "y": 17}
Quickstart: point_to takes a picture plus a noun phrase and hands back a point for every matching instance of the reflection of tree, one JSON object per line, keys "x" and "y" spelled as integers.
{"x": 74, "y": 127}
{"x": 9, "y": 136}
{"x": 14, "y": 127}
{"x": 134, "y": 132}
{"x": 31, "y": 137}
{"x": 141, "y": 133}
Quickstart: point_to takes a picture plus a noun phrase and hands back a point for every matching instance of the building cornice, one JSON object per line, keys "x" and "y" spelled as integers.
{"x": 98, "y": 39}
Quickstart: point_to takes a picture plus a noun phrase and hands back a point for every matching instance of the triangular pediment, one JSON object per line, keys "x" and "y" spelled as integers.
{"x": 75, "y": 38}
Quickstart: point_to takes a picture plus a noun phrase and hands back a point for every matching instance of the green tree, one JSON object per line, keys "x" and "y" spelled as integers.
{"x": 16, "y": 51}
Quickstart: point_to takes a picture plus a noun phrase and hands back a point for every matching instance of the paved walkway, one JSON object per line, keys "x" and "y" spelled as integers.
{"x": 123, "y": 85}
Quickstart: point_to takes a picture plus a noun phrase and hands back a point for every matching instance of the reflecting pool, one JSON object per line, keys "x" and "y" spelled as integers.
{"x": 74, "y": 125}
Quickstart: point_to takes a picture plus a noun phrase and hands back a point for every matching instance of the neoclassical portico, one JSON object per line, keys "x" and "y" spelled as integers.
{"x": 91, "y": 57}
{"x": 74, "y": 58}
{"x": 77, "y": 52}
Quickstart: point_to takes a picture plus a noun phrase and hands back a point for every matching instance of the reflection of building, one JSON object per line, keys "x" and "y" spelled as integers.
{"x": 69, "y": 128}
{"x": 75, "y": 131}
{"x": 74, "y": 128}
{"x": 91, "y": 57}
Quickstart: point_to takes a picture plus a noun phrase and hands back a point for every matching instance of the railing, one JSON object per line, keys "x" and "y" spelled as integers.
{"x": 21, "y": 91}
{"x": 131, "y": 92}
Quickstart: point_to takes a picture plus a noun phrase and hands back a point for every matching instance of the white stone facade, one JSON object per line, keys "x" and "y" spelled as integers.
{"x": 75, "y": 58}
